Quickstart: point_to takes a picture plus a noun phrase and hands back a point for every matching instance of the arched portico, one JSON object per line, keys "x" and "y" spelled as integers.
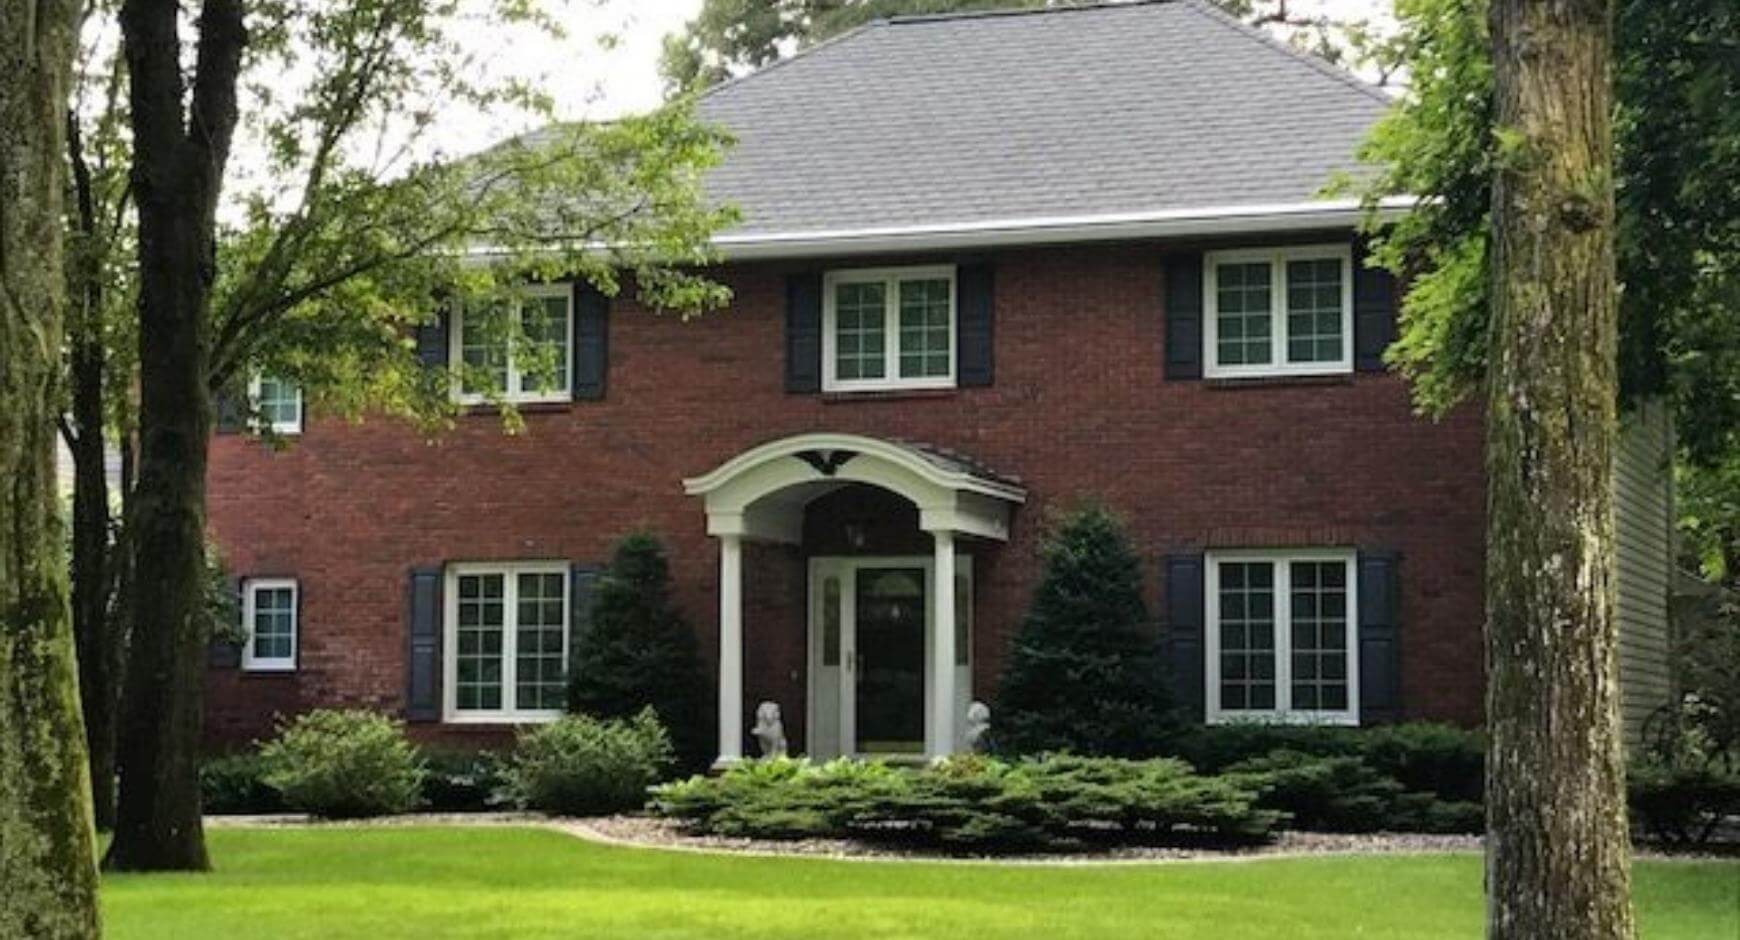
{"x": 761, "y": 495}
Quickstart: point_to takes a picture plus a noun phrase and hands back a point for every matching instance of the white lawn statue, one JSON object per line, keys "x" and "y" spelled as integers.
{"x": 769, "y": 729}
{"x": 978, "y": 725}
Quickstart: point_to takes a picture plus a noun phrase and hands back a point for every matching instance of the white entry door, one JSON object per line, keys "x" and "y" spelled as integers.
{"x": 870, "y": 654}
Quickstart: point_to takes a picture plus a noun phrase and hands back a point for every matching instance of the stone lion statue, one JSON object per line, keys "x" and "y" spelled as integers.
{"x": 978, "y": 726}
{"x": 769, "y": 729}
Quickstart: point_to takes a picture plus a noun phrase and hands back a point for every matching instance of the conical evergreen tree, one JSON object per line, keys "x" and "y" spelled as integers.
{"x": 1085, "y": 674}
{"x": 639, "y": 652}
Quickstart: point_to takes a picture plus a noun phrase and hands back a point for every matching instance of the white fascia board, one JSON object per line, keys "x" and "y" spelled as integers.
{"x": 1045, "y": 230}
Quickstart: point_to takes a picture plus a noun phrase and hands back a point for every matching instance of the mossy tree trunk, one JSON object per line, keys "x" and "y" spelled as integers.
{"x": 180, "y": 148}
{"x": 48, "y": 879}
{"x": 1557, "y": 842}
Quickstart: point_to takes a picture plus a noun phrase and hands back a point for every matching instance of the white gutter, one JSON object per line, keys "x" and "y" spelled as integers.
{"x": 1051, "y": 230}
{"x": 1046, "y": 230}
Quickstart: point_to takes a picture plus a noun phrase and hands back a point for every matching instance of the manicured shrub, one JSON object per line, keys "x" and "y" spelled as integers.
{"x": 638, "y": 653}
{"x": 462, "y": 781}
{"x": 344, "y": 764}
{"x": 1084, "y": 673}
{"x": 1428, "y": 757}
{"x": 235, "y": 784}
{"x": 584, "y": 766}
{"x": 1346, "y": 794}
{"x": 1683, "y": 805}
{"x": 972, "y": 803}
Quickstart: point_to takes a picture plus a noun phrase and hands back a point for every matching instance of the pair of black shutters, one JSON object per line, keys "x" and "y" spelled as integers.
{"x": 589, "y": 364}
{"x": 974, "y": 325}
{"x": 1379, "y": 606}
{"x": 1374, "y": 315}
{"x": 424, "y": 610}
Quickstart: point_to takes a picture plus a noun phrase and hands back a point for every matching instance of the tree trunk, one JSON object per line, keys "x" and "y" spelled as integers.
{"x": 1557, "y": 841}
{"x": 98, "y": 645}
{"x": 178, "y": 166}
{"x": 48, "y": 880}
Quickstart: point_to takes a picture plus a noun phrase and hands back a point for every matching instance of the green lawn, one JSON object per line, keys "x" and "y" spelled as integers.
{"x": 426, "y": 883}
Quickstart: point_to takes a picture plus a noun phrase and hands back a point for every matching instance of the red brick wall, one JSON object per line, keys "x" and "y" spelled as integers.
{"x": 1079, "y": 409}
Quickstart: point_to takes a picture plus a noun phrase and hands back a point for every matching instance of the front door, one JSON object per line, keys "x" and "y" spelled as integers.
{"x": 869, "y": 659}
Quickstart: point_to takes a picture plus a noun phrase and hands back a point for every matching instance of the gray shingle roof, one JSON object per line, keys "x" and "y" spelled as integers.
{"x": 1105, "y": 110}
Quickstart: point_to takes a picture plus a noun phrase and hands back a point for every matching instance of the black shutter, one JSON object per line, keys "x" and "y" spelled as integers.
{"x": 591, "y": 342}
{"x": 232, "y": 412}
{"x": 1380, "y": 671}
{"x": 1184, "y": 624}
{"x": 1374, "y": 314}
{"x": 432, "y": 341}
{"x": 582, "y": 579}
{"x": 224, "y": 652}
{"x": 1184, "y": 317}
{"x": 974, "y": 331}
{"x": 423, "y": 652}
{"x": 803, "y": 333}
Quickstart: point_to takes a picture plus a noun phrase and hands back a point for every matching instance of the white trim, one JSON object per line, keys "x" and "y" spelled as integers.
{"x": 891, "y": 279}
{"x": 510, "y": 571}
{"x": 1037, "y": 230}
{"x": 293, "y": 426}
{"x": 1283, "y": 711}
{"x": 1277, "y": 258}
{"x": 514, "y": 393}
{"x": 251, "y": 587}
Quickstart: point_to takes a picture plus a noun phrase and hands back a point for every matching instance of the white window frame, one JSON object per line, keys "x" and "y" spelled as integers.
{"x": 510, "y": 572}
{"x": 1277, "y": 258}
{"x": 890, "y": 278}
{"x": 276, "y": 427}
{"x": 1283, "y": 712}
{"x": 250, "y": 590}
{"x": 513, "y": 393}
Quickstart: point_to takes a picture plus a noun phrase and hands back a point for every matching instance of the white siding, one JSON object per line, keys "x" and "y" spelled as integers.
{"x": 1644, "y": 520}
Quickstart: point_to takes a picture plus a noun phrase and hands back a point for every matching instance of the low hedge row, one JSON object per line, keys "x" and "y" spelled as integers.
{"x": 972, "y": 803}
{"x": 348, "y": 764}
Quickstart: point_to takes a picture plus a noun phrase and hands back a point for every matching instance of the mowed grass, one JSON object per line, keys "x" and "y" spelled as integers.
{"x": 434, "y": 882}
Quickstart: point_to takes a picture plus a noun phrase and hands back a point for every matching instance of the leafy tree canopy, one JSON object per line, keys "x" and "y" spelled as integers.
{"x": 1678, "y": 142}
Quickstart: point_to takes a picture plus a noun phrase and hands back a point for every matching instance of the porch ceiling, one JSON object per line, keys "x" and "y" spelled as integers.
{"x": 761, "y": 493}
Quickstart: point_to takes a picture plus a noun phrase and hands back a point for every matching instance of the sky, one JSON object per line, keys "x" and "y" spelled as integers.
{"x": 589, "y": 82}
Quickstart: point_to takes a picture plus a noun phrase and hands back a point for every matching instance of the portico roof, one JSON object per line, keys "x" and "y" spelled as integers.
{"x": 761, "y": 492}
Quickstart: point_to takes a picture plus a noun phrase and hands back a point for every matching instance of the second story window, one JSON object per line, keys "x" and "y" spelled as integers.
{"x": 277, "y": 404}
{"x": 518, "y": 353}
{"x": 888, "y": 328}
{"x": 1279, "y": 311}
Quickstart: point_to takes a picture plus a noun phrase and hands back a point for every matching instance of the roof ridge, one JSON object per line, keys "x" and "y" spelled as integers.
{"x": 801, "y": 52}
{"x": 1211, "y": 12}
{"x": 1065, "y": 6}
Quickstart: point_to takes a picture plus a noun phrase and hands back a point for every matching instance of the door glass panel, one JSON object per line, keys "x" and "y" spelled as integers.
{"x": 831, "y": 622}
{"x": 890, "y": 606}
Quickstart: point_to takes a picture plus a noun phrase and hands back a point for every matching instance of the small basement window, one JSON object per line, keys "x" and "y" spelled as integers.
{"x": 1278, "y": 311}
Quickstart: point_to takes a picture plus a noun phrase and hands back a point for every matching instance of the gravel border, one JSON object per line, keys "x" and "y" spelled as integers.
{"x": 651, "y": 833}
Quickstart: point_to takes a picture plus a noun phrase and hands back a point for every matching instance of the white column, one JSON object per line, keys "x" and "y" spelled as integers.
{"x": 942, "y": 667}
{"x": 730, "y": 649}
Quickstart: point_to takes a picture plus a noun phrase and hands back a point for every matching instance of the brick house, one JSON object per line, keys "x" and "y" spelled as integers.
{"x": 990, "y": 266}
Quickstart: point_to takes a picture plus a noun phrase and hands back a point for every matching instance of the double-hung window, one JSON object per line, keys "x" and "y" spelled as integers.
{"x": 518, "y": 351}
{"x": 1278, "y": 311}
{"x": 888, "y": 328}
{"x": 506, "y": 641}
{"x": 1282, "y": 636}
{"x": 269, "y": 614}
{"x": 277, "y": 404}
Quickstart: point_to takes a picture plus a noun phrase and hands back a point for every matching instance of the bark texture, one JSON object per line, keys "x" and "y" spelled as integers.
{"x": 48, "y": 879}
{"x": 179, "y": 155}
{"x": 1557, "y": 842}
